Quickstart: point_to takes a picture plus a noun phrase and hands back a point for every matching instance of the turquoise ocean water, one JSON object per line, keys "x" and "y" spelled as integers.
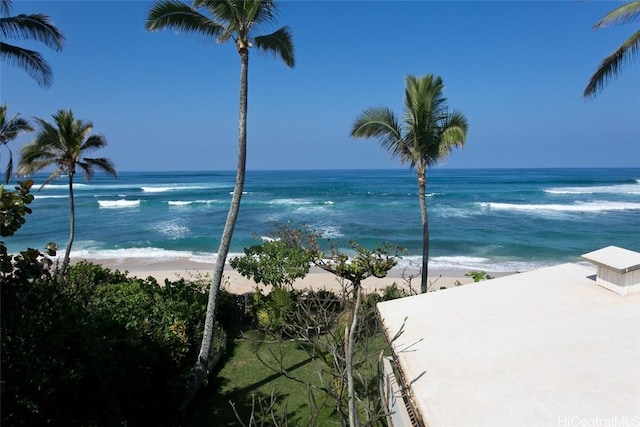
{"x": 493, "y": 219}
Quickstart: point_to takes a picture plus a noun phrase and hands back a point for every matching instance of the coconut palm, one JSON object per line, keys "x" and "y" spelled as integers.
{"x": 10, "y": 130}
{"x": 63, "y": 145}
{"x": 611, "y": 66}
{"x": 35, "y": 27}
{"x": 425, "y": 137}
{"x": 236, "y": 20}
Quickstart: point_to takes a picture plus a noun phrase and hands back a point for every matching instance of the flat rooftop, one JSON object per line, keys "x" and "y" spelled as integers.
{"x": 542, "y": 348}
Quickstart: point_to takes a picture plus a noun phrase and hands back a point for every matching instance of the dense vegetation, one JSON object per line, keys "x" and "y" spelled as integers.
{"x": 97, "y": 347}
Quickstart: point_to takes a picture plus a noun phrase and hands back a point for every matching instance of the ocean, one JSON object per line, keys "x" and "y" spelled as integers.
{"x": 496, "y": 220}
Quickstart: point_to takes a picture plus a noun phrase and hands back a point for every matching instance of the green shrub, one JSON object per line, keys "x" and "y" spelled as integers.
{"x": 478, "y": 275}
{"x": 270, "y": 312}
{"x": 97, "y": 349}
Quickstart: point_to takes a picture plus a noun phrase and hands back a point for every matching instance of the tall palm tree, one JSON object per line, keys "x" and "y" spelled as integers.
{"x": 628, "y": 51}
{"x": 10, "y": 130}
{"x": 35, "y": 27}
{"x": 425, "y": 137}
{"x": 225, "y": 20}
{"x": 63, "y": 145}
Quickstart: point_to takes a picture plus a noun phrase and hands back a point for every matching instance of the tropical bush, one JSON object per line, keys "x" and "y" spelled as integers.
{"x": 97, "y": 348}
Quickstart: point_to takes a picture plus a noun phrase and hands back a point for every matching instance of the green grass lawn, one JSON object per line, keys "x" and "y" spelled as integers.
{"x": 243, "y": 378}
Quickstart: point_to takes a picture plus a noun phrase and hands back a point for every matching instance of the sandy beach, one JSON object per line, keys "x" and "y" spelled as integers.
{"x": 175, "y": 269}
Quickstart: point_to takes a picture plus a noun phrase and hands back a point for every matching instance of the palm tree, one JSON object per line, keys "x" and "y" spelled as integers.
{"x": 225, "y": 20}
{"x": 10, "y": 130}
{"x": 610, "y": 66}
{"x": 35, "y": 27}
{"x": 426, "y": 136}
{"x": 63, "y": 145}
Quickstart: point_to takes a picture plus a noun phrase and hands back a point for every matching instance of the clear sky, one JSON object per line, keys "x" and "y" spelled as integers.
{"x": 164, "y": 101}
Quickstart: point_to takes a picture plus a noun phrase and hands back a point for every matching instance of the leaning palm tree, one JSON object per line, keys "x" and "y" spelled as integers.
{"x": 225, "y": 20}
{"x": 35, "y": 27}
{"x": 611, "y": 66}
{"x": 63, "y": 145}
{"x": 426, "y": 136}
{"x": 10, "y": 130}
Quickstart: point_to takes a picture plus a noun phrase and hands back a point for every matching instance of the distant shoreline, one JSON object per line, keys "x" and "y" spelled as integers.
{"x": 173, "y": 270}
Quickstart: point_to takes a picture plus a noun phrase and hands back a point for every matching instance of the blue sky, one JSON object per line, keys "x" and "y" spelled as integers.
{"x": 516, "y": 69}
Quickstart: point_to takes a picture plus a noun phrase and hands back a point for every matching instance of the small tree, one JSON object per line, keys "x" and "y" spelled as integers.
{"x": 64, "y": 145}
{"x": 335, "y": 342}
{"x": 365, "y": 263}
{"x": 275, "y": 263}
{"x": 239, "y": 21}
{"x": 425, "y": 136}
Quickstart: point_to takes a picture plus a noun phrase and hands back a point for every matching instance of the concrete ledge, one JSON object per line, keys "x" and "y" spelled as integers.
{"x": 618, "y": 269}
{"x": 392, "y": 395}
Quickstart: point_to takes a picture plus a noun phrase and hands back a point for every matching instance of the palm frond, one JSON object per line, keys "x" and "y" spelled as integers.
{"x": 261, "y": 12}
{"x": 64, "y": 142}
{"x": 33, "y": 158}
{"x": 453, "y": 134}
{"x": 626, "y": 13}
{"x": 429, "y": 131}
{"x": 5, "y": 7}
{"x": 89, "y": 165}
{"x": 279, "y": 43}
{"x": 9, "y": 171}
{"x": 94, "y": 142}
{"x": 177, "y": 16}
{"x": 54, "y": 175}
{"x": 611, "y": 65}
{"x": 36, "y": 27}
{"x": 29, "y": 60}
{"x": 49, "y": 138}
{"x": 381, "y": 123}
{"x": 12, "y": 128}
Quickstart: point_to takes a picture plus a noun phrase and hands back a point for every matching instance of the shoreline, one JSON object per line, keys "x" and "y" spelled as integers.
{"x": 175, "y": 269}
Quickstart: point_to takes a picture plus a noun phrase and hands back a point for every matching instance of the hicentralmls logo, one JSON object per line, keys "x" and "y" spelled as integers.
{"x": 576, "y": 421}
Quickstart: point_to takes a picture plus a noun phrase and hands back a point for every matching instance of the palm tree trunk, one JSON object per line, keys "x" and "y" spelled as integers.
{"x": 202, "y": 364}
{"x": 422, "y": 187}
{"x": 72, "y": 228}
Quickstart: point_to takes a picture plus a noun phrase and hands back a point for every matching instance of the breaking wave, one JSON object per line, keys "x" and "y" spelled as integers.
{"x": 117, "y": 204}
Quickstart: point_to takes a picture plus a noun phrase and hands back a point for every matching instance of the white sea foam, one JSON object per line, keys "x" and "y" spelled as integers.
{"x": 117, "y": 204}
{"x": 595, "y": 206}
{"x": 289, "y": 202}
{"x": 164, "y": 189}
{"x": 304, "y": 210}
{"x": 468, "y": 263}
{"x": 453, "y": 212}
{"x": 76, "y": 186}
{"x": 172, "y": 229}
{"x": 149, "y": 254}
{"x": 38, "y": 197}
{"x": 599, "y": 189}
{"x": 190, "y": 202}
{"x": 329, "y": 231}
